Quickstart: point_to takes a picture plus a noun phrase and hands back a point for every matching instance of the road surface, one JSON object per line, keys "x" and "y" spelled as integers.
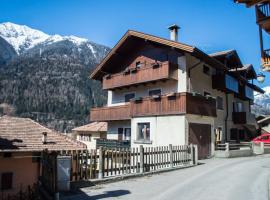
{"x": 216, "y": 179}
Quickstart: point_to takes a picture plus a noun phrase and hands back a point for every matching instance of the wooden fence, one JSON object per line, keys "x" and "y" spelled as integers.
{"x": 102, "y": 163}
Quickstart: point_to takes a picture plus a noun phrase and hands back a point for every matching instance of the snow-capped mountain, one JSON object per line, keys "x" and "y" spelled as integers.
{"x": 46, "y": 77}
{"x": 23, "y": 38}
{"x": 262, "y": 102}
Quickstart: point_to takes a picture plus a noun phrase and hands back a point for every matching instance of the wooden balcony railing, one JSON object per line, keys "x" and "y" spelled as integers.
{"x": 174, "y": 104}
{"x": 163, "y": 71}
{"x": 263, "y": 16}
{"x": 239, "y": 117}
{"x": 110, "y": 113}
{"x": 266, "y": 58}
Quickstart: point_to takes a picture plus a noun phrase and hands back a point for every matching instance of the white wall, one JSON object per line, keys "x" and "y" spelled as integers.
{"x": 182, "y": 74}
{"x": 164, "y": 130}
{"x": 90, "y": 144}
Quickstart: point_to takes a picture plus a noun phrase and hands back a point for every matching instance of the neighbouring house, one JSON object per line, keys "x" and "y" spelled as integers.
{"x": 161, "y": 92}
{"x": 21, "y": 142}
{"x": 89, "y": 133}
{"x": 264, "y": 124}
{"x": 262, "y": 9}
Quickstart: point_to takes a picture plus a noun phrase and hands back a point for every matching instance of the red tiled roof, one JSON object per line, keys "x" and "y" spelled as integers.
{"x": 93, "y": 127}
{"x": 24, "y": 134}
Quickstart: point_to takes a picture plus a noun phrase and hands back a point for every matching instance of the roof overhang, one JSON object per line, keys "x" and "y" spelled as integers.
{"x": 98, "y": 71}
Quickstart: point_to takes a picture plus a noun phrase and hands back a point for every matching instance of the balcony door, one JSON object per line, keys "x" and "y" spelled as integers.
{"x": 120, "y": 134}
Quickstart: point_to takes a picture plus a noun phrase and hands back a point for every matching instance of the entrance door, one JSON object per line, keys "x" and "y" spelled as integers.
{"x": 200, "y": 134}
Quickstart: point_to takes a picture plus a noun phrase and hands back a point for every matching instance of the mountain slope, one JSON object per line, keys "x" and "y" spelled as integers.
{"x": 46, "y": 78}
{"x": 262, "y": 102}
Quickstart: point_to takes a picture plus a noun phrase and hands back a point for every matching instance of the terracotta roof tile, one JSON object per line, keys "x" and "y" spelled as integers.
{"x": 93, "y": 127}
{"x": 24, "y": 134}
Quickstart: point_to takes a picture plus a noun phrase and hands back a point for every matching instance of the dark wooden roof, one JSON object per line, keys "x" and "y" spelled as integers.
{"x": 127, "y": 38}
{"x": 25, "y": 135}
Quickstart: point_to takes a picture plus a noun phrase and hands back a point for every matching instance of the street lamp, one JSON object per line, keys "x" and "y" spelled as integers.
{"x": 260, "y": 77}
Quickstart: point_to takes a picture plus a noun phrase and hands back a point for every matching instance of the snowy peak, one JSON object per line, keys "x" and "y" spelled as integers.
{"x": 22, "y": 37}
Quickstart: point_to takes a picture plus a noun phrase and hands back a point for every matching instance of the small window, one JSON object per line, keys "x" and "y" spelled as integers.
{"x": 206, "y": 70}
{"x": 238, "y": 107}
{"x": 143, "y": 131}
{"x": 138, "y": 64}
{"x": 219, "y": 103}
{"x": 155, "y": 92}
{"x": 6, "y": 181}
{"x": 129, "y": 96}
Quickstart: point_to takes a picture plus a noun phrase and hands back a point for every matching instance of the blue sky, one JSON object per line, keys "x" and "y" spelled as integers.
{"x": 211, "y": 25}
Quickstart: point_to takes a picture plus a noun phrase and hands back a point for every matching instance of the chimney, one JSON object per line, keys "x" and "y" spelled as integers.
{"x": 174, "y": 32}
{"x": 44, "y": 137}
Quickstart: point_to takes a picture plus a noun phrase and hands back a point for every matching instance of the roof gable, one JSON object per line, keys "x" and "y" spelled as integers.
{"x": 127, "y": 38}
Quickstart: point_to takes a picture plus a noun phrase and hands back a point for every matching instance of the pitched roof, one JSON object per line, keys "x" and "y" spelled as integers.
{"x": 177, "y": 45}
{"x": 248, "y": 68}
{"x": 93, "y": 127}
{"x": 222, "y": 53}
{"x": 264, "y": 120}
{"x": 24, "y": 134}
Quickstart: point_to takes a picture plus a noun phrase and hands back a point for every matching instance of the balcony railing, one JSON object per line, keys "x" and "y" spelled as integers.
{"x": 162, "y": 71}
{"x": 173, "y": 104}
{"x": 225, "y": 83}
{"x": 263, "y": 16}
{"x": 239, "y": 117}
{"x": 110, "y": 113}
{"x": 266, "y": 58}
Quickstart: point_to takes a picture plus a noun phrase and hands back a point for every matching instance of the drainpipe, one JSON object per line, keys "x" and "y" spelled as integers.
{"x": 189, "y": 73}
{"x": 226, "y": 118}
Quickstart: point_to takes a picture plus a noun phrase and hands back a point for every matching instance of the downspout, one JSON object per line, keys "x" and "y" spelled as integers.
{"x": 226, "y": 118}
{"x": 189, "y": 73}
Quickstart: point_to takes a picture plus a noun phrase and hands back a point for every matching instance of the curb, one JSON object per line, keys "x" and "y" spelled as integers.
{"x": 88, "y": 183}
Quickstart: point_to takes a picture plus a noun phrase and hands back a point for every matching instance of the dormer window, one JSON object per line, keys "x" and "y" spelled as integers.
{"x": 138, "y": 64}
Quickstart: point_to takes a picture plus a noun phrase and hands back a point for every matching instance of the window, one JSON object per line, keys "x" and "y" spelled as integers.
{"x": 219, "y": 103}
{"x": 6, "y": 181}
{"x": 138, "y": 64}
{"x": 85, "y": 137}
{"x": 143, "y": 131}
{"x": 120, "y": 134}
{"x": 249, "y": 92}
{"x": 129, "y": 96}
{"x": 231, "y": 83}
{"x": 127, "y": 134}
{"x": 155, "y": 92}
{"x": 238, "y": 107}
{"x": 206, "y": 70}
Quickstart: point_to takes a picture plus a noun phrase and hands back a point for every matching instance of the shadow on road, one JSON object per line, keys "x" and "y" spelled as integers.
{"x": 105, "y": 195}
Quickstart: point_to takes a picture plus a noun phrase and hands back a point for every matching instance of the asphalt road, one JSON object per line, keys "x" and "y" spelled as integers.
{"x": 216, "y": 179}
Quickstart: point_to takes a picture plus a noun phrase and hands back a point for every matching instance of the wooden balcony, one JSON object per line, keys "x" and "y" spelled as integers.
{"x": 110, "y": 113}
{"x": 239, "y": 117}
{"x": 163, "y": 71}
{"x": 225, "y": 83}
{"x": 174, "y": 104}
{"x": 263, "y": 16}
{"x": 265, "y": 59}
